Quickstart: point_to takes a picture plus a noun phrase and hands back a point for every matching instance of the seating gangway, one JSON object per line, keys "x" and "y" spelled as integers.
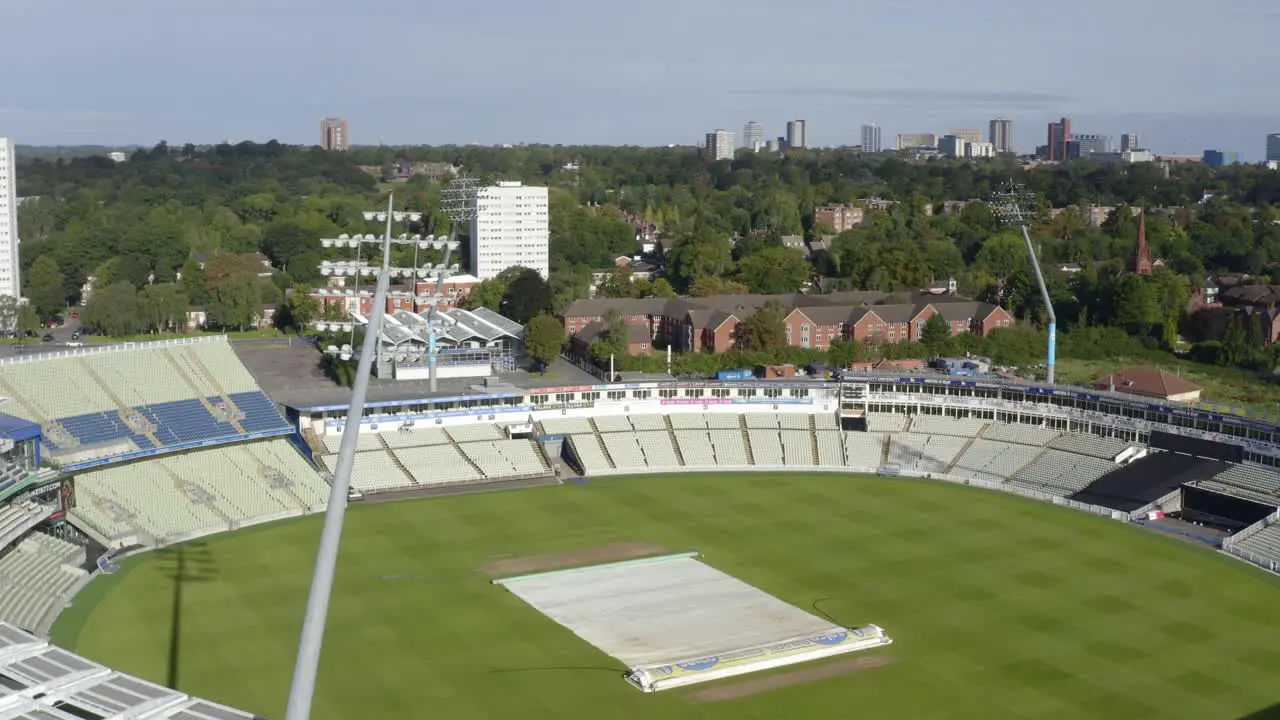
{"x": 232, "y": 412}
{"x": 123, "y": 409}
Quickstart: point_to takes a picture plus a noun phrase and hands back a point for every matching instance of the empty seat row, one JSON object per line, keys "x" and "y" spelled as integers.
{"x": 1092, "y": 445}
{"x": 34, "y": 577}
{"x": 943, "y": 425}
{"x": 206, "y": 489}
{"x": 1020, "y": 433}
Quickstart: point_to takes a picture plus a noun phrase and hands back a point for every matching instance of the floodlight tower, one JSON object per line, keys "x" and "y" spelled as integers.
{"x": 356, "y": 267}
{"x": 308, "y": 661}
{"x": 1014, "y": 205}
{"x": 458, "y": 201}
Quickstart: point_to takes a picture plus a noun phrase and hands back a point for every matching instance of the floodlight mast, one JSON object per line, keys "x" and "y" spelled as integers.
{"x": 458, "y": 203}
{"x": 307, "y": 664}
{"x": 1011, "y": 205}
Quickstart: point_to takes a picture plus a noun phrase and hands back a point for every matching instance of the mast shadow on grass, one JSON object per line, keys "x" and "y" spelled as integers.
{"x": 183, "y": 564}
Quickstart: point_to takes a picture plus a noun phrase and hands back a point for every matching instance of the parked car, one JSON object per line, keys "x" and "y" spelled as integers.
{"x": 48, "y": 338}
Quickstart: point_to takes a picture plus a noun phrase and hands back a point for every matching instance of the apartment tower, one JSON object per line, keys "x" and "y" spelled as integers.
{"x": 1000, "y": 135}
{"x": 10, "y": 276}
{"x": 871, "y": 138}
{"x": 333, "y": 134}
{"x": 510, "y": 229}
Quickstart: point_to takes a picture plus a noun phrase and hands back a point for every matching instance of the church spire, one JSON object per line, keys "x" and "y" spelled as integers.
{"x": 1142, "y": 254}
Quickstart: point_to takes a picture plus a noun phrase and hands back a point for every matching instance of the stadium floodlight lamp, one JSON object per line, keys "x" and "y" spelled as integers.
{"x": 1014, "y": 206}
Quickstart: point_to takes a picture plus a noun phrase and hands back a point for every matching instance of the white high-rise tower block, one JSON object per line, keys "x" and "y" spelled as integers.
{"x": 10, "y": 278}
{"x": 510, "y": 228}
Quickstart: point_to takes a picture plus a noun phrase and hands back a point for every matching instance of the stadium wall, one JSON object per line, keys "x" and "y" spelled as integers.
{"x": 1067, "y": 405}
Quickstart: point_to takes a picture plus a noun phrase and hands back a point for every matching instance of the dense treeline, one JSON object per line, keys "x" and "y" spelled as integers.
{"x": 137, "y": 226}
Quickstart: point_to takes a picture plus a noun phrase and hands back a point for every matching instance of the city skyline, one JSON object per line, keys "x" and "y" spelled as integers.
{"x": 628, "y": 95}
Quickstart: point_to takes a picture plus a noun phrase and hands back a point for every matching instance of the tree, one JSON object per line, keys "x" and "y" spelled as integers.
{"x": 10, "y": 309}
{"x": 114, "y": 311}
{"x": 299, "y": 311}
{"x": 764, "y": 330}
{"x": 543, "y": 337}
{"x": 235, "y": 301}
{"x": 28, "y": 321}
{"x": 711, "y": 285}
{"x": 193, "y": 283}
{"x": 662, "y": 288}
{"x": 704, "y": 255}
{"x": 936, "y": 333}
{"x": 486, "y": 294}
{"x": 527, "y": 295}
{"x": 45, "y": 287}
{"x": 163, "y": 307}
{"x": 774, "y": 270}
{"x": 842, "y": 352}
{"x": 612, "y": 339}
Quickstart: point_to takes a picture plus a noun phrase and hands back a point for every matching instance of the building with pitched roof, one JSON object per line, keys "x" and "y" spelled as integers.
{"x": 710, "y": 324}
{"x": 1150, "y": 382}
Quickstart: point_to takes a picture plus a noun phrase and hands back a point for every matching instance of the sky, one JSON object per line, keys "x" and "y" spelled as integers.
{"x": 1184, "y": 75}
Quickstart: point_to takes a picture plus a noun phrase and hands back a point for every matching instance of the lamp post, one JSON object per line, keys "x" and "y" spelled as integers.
{"x": 1013, "y": 205}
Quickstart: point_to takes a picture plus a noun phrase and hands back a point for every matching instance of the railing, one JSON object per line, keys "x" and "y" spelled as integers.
{"x": 1253, "y": 529}
{"x": 116, "y": 347}
{"x": 1266, "y": 563}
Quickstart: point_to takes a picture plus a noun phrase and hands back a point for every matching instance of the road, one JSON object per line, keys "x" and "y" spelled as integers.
{"x": 35, "y": 346}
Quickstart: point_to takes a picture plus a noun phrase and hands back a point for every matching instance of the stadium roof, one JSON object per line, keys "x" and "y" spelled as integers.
{"x": 457, "y": 325}
{"x": 16, "y": 428}
{"x": 39, "y": 681}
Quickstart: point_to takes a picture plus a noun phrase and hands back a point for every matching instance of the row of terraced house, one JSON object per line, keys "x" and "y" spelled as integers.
{"x": 710, "y": 324}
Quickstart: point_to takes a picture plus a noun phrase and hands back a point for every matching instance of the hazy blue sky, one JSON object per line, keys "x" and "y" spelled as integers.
{"x": 1186, "y": 75}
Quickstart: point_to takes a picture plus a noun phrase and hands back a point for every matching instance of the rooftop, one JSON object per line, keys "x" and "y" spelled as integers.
{"x": 1148, "y": 381}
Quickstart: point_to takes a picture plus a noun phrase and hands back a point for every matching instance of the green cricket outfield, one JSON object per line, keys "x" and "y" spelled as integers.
{"x": 1000, "y": 607}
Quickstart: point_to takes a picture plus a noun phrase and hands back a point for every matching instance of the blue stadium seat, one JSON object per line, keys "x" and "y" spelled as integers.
{"x": 182, "y": 421}
{"x": 260, "y": 414}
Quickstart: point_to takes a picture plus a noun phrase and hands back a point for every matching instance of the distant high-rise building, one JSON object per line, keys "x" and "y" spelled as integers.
{"x": 871, "y": 138}
{"x": 753, "y": 136}
{"x": 510, "y": 229}
{"x": 10, "y": 275}
{"x": 1218, "y": 158}
{"x": 952, "y": 146}
{"x": 1085, "y": 145}
{"x": 979, "y": 150}
{"x": 333, "y": 134}
{"x": 719, "y": 145}
{"x": 1059, "y": 136}
{"x": 916, "y": 140}
{"x": 797, "y": 135}
{"x": 1129, "y": 142}
{"x": 1273, "y": 147}
{"x": 969, "y": 136}
{"x": 1000, "y": 135}
{"x": 774, "y": 145}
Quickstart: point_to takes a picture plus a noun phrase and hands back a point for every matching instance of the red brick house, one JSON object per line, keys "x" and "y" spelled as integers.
{"x": 638, "y": 340}
{"x": 710, "y": 324}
